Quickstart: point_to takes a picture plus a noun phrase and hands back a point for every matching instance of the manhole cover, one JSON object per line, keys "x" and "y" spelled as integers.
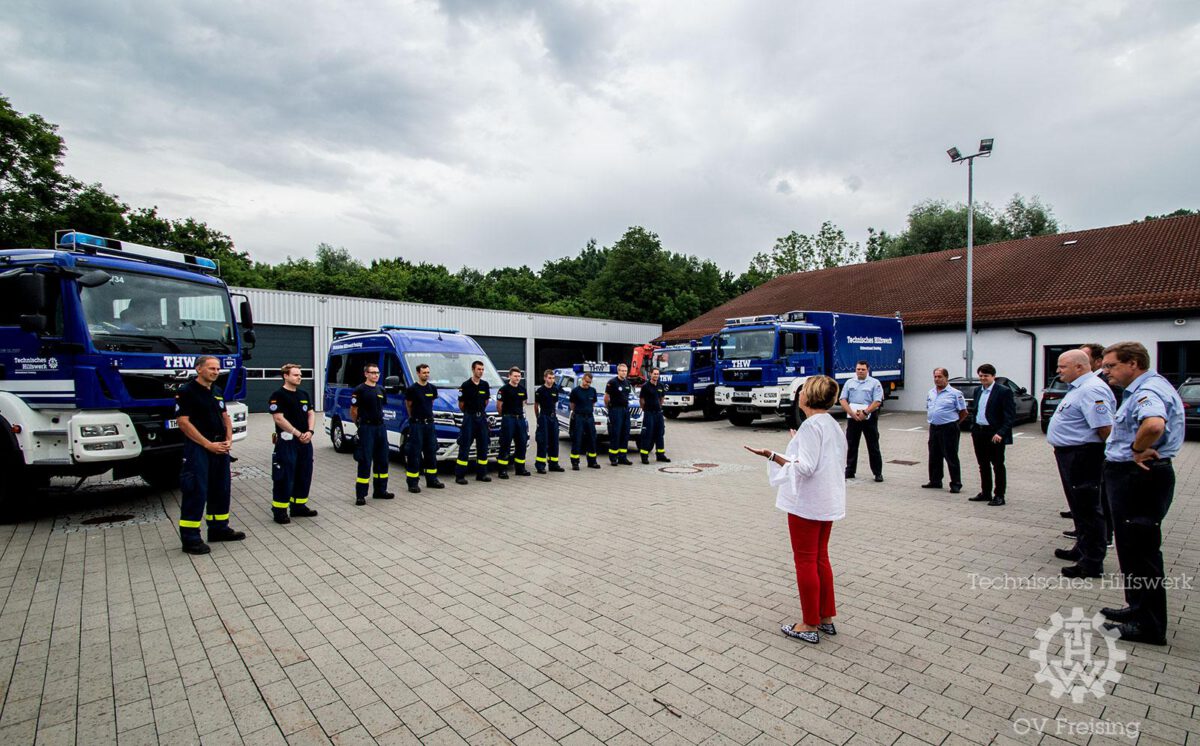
{"x": 705, "y": 466}
{"x": 904, "y": 463}
{"x": 679, "y": 470}
{"x": 102, "y": 519}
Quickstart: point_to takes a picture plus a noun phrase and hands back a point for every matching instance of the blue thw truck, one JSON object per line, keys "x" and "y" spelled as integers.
{"x": 689, "y": 374}
{"x": 762, "y": 361}
{"x": 96, "y": 337}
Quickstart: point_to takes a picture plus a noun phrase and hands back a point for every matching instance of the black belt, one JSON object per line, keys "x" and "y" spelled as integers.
{"x": 944, "y": 424}
{"x": 588, "y": 415}
{"x": 519, "y": 416}
{"x": 474, "y": 414}
{"x": 1078, "y": 447}
{"x": 421, "y": 420}
{"x": 367, "y": 422}
{"x": 1131, "y": 465}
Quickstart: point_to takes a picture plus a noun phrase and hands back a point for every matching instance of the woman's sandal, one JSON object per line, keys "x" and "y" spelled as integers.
{"x": 827, "y": 629}
{"x": 800, "y": 634}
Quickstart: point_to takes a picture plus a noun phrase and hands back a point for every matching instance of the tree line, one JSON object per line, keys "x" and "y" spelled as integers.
{"x": 634, "y": 279}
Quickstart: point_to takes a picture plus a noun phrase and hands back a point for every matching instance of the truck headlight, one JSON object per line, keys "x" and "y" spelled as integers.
{"x": 111, "y": 445}
{"x": 98, "y": 431}
{"x": 239, "y": 416}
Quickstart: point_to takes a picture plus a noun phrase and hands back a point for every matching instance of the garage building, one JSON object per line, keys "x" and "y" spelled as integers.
{"x": 299, "y": 327}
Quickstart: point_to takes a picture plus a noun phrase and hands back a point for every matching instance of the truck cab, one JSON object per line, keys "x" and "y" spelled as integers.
{"x": 96, "y": 338}
{"x": 689, "y": 376}
{"x": 398, "y": 350}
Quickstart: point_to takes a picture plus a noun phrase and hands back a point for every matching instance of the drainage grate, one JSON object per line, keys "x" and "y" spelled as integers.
{"x": 904, "y": 463}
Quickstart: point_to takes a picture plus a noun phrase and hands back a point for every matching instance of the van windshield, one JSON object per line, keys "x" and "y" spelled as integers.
{"x": 447, "y": 370}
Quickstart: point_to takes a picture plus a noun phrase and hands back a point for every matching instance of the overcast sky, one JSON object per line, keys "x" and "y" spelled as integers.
{"x": 505, "y": 133}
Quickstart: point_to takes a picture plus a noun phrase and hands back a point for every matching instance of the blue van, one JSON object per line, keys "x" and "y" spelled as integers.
{"x": 602, "y": 373}
{"x": 398, "y": 350}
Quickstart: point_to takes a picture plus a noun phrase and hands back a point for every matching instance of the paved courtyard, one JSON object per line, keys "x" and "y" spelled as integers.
{"x": 627, "y": 605}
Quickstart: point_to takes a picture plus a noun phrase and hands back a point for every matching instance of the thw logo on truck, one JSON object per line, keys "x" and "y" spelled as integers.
{"x": 741, "y": 363}
{"x": 180, "y": 361}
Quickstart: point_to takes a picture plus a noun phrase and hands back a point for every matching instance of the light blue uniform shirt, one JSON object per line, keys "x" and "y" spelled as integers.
{"x": 1150, "y": 395}
{"x": 981, "y": 413}
{"x": 942, "y": 407}
{"x": 862, "y": 392}
{"x": 1088, "y": 404}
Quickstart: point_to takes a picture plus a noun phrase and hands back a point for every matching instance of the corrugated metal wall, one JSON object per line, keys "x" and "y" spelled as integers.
{"x": 324, "y": 313}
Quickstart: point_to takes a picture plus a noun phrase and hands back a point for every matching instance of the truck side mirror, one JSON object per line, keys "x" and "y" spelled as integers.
{"x": 247, "y": 316}
{"x": 32, "y": 289}
{"x": 94, "y": 279}
{"x": 34, "y": 322}
{"x": 391, "y": 385}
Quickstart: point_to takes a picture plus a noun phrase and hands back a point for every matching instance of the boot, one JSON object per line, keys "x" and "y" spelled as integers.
{"x": 280, "y": 516}
{"x": 302, "y": 511}
{"x": 414, "y": 488}
{"x": 645, "y": 458}
{"x": 503, "y": 474}
{"x": 662, "y": 458}
{"x": 593, "y": 464}
{"x": 435, "y": 484}
{"x": 556, "y": 467}
{"x": 575, "y": 465}
{"x": 523, "y": 472}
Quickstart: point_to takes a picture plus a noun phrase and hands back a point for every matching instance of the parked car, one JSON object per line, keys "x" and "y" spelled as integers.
{"x": 1051, "y": 397}
{"x": 1026, "y": 404}
{"x": 1189, "y": 391}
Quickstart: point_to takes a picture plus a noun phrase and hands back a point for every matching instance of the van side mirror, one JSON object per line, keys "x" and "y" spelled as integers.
{"x": 391, "y": 385}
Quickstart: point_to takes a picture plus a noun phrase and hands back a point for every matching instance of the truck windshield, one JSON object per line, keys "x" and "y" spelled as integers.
{"x": 145, "y": 313}
{"x": 748, "y": 344}
{"x": 447, "y": 370}
{"x": 673, "y": 361}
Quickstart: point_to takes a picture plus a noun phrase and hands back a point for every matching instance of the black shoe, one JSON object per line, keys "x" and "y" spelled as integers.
{"x": 593, "y": 466}
{"x": 435, "y": 485}
{"x": 282, "y": 518}
{"x": 540, "y": 470}
{"x": 1068, "y": 555}
{"x": 996, "y": 501}
{"x": 556, "y": 467}
{"x": 955, "y": 489}
{"x": 524, "y": 473}
{"x": 878, "y": 477}
{"x": 662, "y": 459}
{"x": 502, "y": 474}
{"x": 415, "y": 489}
{"x": 484, "y": 478}
{"x": 612, "y": 462}
{"x": 1065, "y": 513}
{"x": 460, "y": 480}
{"x": 645, "y": 459}
{"x": 360, "y": 501}
{"x": 226, "y": 534}
{"x": 1126, "y": 614}
{"x": 196, "y": 547}
{"x": 1071, "y": 534}
{"x": 1079, "y": 571}
{"x": 303, "y": 511}
{"x": 979, "y": 498}
{"x": 384, "y": 496}
{"x": 1135, "y": 632}
{"x": 932, "y": 486}
{"x": 624, "y": 462}
{"x": 849, "y": 475}
{"x": 810, "y": 637}
{"x": 574, "y": 466}
{"x": 827, "y": 629}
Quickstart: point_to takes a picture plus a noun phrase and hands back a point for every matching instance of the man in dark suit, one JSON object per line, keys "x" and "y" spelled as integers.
{"x": 991, "y": 431}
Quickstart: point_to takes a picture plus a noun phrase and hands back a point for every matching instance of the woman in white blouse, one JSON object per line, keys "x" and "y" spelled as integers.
{"x": 810, "y": 477}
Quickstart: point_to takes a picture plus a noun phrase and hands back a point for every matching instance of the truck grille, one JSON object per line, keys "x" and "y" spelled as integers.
{"x": 742, "y": 374}
{"x": 677, "y": 388}
{"x": 160, "y": 385}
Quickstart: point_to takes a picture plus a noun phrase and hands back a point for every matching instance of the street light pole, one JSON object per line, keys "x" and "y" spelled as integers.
{"x": 985, "y": 150}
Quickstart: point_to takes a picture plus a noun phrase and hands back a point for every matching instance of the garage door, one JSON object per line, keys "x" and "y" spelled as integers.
{"x": 504, "y": 352}
{"x": 276, "y": 345}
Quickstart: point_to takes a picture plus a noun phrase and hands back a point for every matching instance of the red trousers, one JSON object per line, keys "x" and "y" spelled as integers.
{"x": 814, "y": 575}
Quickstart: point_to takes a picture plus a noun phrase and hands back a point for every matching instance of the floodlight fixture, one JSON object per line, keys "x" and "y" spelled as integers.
{"x": 955, "y": 156}
{"x": 985, "y": 145}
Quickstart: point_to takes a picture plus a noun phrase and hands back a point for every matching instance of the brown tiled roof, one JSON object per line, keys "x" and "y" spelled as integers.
{"x": 1140, "y": 268}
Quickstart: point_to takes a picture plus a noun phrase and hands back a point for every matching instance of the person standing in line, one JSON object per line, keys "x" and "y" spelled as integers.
{"x": 1077, "y": 431}
{"x": 616, "y": 400}
{"x": 1148, "y": 432}
{"x": 654, "y": 426}
{"x": 811, "y": 486}
{"x": 545, "y": 410}
{"x": 583, "y": 423}
{"x": 514, "y": 428}
{"x": 862, "y": 396}
{"x": 945, "y": 407}
{"x": 421, "y": 446}
{"x": 1095, "y": 351}
{"x": 292, "y": 459}
{"x": 371, "y": 445}
{"x": 991, "y": 432}
{"x": 473, "y": 396}
{"x": 204, "y": 476}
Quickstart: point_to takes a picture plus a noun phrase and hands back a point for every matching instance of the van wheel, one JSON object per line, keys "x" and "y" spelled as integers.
{"x": 671, "y": 413}
{"x": 162, "y": 473}
{"x": 742, "y": 419}
{"x": 341, "y": 443}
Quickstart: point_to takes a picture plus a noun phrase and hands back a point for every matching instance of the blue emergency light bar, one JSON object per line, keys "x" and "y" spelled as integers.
{"x": 401, "y": 328}
{"x": 71, "y": 240}
{"x": 790, "y": 316}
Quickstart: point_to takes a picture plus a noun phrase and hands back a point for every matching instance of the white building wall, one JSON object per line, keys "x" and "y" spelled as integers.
{"x": 1009, "y": 351}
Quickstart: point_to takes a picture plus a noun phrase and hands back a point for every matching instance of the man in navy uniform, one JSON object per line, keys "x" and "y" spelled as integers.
{"x": 545, "y": 409}
{"x": 945, "y": 407}
{"x": 371, "y": 445}
{"x": 1077, "y": 431}
{"x": 204, "y": 477}
{"x": 473, "y": 396}
{"x": 653, "y": 425}
{"x": 514, "y": 428}
{"x": 583, "y": 423}
{"x": 292, "y": 460}
{"x": 421, "y": 446}
{"x": 1148, "y": 432}
{"x": 862, "y": 396}
{"x": 995, "y": 413}
{"x": 616, "y": 399}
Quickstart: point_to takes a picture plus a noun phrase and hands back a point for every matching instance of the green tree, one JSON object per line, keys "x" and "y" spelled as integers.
{"x": 798, "y": 252}
{"x": 1181, "y": 212}
{"x": 935, "y": 225}
{"x": 32, "y": 188}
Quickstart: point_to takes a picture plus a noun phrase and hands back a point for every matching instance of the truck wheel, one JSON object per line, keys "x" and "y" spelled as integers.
{"x": 14, "y": 487}
{"x": 341, "y": 443}
{"x": 742, "y": 419}
{"x": 795, "y": 414}
{"x": 162, "y": 473}
{"x": 710, "y": 409}
{"x": 671, "y": 413}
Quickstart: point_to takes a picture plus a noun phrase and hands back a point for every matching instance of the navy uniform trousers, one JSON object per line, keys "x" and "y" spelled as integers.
{"x": 203, "y": 481}
{"x": 371, "y": 446}
{"x": 1139, "y": 501}
{"x": 654, "y": 429}
{"x": 583, "y": 438}
{"x": 291, "y": 474}
{"x": 420, "y": 453}
{"x": 474, "y": 430}
{"x": 514, "y": 436}
{"x": 618, "y": 434}
{"x": 547, "y": 440}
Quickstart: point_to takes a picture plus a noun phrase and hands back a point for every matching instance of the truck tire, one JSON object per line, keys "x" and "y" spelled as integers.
{"x": 162, "y": 473}
{"x": 742, "y": 419}
{"x": 670, "y": 413}
{"x": 795, "y": 415}
{"x": 14, "y": 487}
{"x": 342, "y": 443}
{"x": 709, "y": 408}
